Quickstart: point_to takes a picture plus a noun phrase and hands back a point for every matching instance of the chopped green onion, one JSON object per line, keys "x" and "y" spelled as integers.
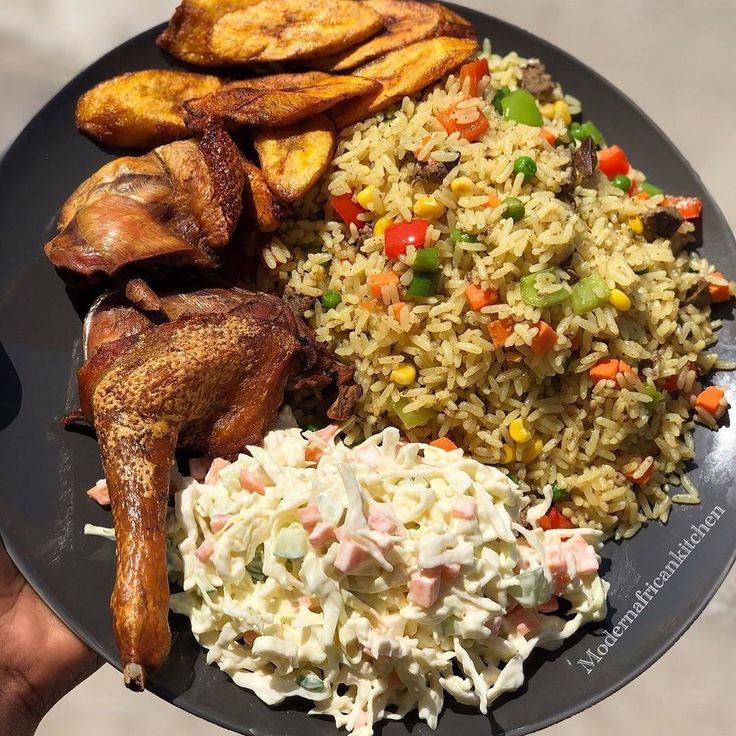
{"x": 521, "y": 107}
{"x": 331, "y": 298}
{"x": 309, "y": 681}
{"x": 500, "y": 95}
{"x": 650, "y": 189}
{"x": 530, "y": 293}
{"x": 291, "y": 543}
{"x": 655, "y": 395}
{"x": 412, "y": 419}
{"x": 458, "y": 236}
{"x": 427, "y": 259}
{"x": 255, "y": 567}
{"x": 559, "y": 493}
{"x": 589, "y": 294}
{"x": 423, "y": 284}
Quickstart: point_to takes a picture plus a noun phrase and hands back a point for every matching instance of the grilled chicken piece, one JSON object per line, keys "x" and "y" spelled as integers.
{"x": 178, "y": 204}
{"x": 210, "y": 380}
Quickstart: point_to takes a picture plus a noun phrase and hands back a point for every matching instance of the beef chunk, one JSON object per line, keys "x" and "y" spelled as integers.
{"x": 298, "y": 303}
{"x": 662, "y": 223}
{"x": 699, "y": 295}
{"x": 567, "y": 189}
{"x": 585, "y": 159}
{"x": 536, "y": 80}
{"x": 434, "y": 171}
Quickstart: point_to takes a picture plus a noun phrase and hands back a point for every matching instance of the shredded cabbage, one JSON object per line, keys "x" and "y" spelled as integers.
{"x": 444, "y": 596}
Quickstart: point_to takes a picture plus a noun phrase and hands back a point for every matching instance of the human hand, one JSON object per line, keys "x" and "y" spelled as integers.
{"x": 40, "y": 659}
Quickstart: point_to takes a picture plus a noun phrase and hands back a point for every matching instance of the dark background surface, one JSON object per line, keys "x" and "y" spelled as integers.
{"x": 39, "y": 331}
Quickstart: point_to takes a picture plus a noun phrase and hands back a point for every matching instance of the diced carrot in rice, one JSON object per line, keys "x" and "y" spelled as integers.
{"x": 712, "y": 401}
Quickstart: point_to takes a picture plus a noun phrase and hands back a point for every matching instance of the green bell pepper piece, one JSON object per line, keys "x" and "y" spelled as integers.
{"x": 411, "y": 419}
{"x": 589, "y": 294}
{"x": 423, "y": 284}
{"x": 521, "y": 107}
{"x": 427, "y": 259}
{"x": 533, "y": 298}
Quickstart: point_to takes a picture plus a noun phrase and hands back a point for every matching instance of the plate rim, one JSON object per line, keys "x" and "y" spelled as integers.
{"x": 212, "y": 716}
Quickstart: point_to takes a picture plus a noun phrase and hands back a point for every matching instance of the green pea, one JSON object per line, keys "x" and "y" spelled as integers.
{"x": 460, "y": 236}
{"x": 331, "y": 298}
{"x": 514, "y": 208}
{"x": 525, "y": 165}
{"x": 621, "y": 182}
{"x": 503, "y": 92}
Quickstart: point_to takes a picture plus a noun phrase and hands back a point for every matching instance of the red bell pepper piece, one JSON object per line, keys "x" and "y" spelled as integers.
{"x": 555, "y": 520}
{"x": 469, "y": 131}
{"x": 474, "y": 71}
{"x": 613, "y": 162}
{"x": 348, "y": 209}
{"x": 399, "y": 236}
{"x": 691, "y": 208}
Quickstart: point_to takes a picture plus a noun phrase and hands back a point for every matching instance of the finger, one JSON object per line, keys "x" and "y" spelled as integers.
{"x": 11, "y": 580}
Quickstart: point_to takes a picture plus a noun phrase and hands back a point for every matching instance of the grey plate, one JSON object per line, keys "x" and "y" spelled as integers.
{"x": 47, "y": 470}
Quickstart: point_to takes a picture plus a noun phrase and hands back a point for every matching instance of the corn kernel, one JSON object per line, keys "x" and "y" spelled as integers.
{"x": 562, "y": 111}
{"x": 462, "y": 186}
{"x": 636, "y": 225}
{"x": 548, "y": 111}
{"x": 518, "y": 431}
{"x": 507, "y": 454}
{"x": 380, "y": 226}
{"x": 619, "y": 300}
{"x": 404, "y": 375}
{"x": 428, "y": 207}
{"x": 532, "y": 451}
{"x": 366, "y": 196}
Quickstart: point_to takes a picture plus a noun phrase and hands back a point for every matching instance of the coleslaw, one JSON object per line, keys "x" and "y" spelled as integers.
{"x": 373, "y": 580}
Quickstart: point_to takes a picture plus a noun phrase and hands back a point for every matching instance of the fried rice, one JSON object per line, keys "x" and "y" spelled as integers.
{"x": 615, "y": 448}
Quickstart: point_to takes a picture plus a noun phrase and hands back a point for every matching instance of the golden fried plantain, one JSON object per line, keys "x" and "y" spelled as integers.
{"x": 141, "y": 109}
{"x": 187, "y": 37}
{"x": 405, "y": 21}
{"x": 292, "y": 29}
{"x": 404, "y": 72}
{"x": 294, "y": 157}
{"x": 259, "y": 205}
{"x": 279, "y": 99}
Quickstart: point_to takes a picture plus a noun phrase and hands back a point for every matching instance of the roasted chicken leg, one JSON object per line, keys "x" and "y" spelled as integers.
{"x": 212, "y": 379}
{"x": 177, "y": 205}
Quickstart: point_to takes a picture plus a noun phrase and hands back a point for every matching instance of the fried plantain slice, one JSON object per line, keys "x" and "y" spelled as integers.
{"x": 259, "y": 204}
{"x": 141, "y": 109}
{"x": 405, "y": 21}
{"x": 294, "y": 157}
{"x": 404, "y": 72}
{"x": 292, "y": 29}
{"x": 187, "y": 37}
{"x": 279, "y": 99}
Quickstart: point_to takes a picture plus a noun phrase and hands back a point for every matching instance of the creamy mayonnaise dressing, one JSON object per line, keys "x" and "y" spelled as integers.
{"x": 357, "y": 577}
